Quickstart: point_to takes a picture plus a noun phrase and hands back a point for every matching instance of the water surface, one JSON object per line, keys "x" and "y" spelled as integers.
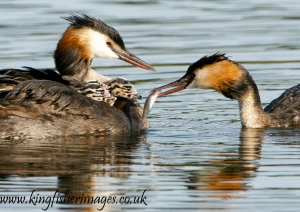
{"x": 195, "y": 156}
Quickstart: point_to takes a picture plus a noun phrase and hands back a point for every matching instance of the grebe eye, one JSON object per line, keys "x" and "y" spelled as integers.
{"x": 108, "y": 43}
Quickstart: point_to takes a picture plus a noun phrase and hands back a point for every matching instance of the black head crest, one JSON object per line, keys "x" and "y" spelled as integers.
{"x": 206, "y": 60}
{"x": 82, "y": 20}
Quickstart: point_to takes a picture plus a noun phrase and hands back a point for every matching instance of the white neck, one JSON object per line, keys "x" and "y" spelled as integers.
{"x": 251, "y": 112}
{"x": 89, "y": 75}
{"x": 92, "y": 75}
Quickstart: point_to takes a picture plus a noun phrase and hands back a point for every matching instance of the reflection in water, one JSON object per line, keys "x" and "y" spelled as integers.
{"x": 76, "y": 161}
{"x": 71, "y": 155}
{"x": 231, "y": 173}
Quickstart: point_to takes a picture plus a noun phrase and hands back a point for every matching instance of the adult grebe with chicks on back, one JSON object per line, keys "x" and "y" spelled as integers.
{"x": 73, "y": 98}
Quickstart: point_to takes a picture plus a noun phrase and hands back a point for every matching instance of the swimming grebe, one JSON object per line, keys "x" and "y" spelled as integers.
{"x": 234, "y": 81}
{"x": 77, "y": 100}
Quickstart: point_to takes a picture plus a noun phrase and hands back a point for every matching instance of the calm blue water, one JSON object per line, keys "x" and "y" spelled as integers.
{"x": 195, "y": 156}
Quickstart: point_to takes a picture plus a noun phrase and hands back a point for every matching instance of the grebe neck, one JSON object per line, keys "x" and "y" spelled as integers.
{"x": 251, "y": 112}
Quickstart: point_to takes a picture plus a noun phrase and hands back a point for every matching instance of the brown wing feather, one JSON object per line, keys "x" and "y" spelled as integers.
{"x": 286, "y": 108}
{"x": 10, "y": 78}
{"x": 55, "y": 109}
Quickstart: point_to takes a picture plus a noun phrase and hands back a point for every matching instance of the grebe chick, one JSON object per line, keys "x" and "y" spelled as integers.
{"x": 121, "y": 87}
{"x": 97, "y": 91}
{"x": 234, "y": 81}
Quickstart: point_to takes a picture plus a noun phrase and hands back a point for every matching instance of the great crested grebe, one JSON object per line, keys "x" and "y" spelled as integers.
{"x": 234, "y": 81}
{"x": 76, "y": 99}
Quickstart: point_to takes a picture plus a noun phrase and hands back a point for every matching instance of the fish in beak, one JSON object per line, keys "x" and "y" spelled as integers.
{"x": 176, "y": 86}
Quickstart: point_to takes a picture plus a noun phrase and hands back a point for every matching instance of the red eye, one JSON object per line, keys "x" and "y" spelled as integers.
{"x": 108, "y": 43}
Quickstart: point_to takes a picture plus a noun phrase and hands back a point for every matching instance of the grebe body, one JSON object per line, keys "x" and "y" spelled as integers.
{"x": 73, "y": 98}
{"x": 43, "y": 108}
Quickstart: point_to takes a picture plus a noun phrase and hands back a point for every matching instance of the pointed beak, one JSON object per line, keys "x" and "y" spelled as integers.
{"x": 132, "y": 59}
{"x": 176, "y": 86}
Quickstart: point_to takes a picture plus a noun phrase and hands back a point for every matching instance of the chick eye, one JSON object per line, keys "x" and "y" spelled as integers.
{"x": 108, "y": 43}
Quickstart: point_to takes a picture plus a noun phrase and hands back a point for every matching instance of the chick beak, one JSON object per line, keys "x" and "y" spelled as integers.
{"x": 178, "y": 85}
{"x": 132, "y": 59}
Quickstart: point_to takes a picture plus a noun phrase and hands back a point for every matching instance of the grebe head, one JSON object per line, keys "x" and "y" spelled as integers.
{"x": 212, "y": 72}
{"x": 86, "y": 38}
